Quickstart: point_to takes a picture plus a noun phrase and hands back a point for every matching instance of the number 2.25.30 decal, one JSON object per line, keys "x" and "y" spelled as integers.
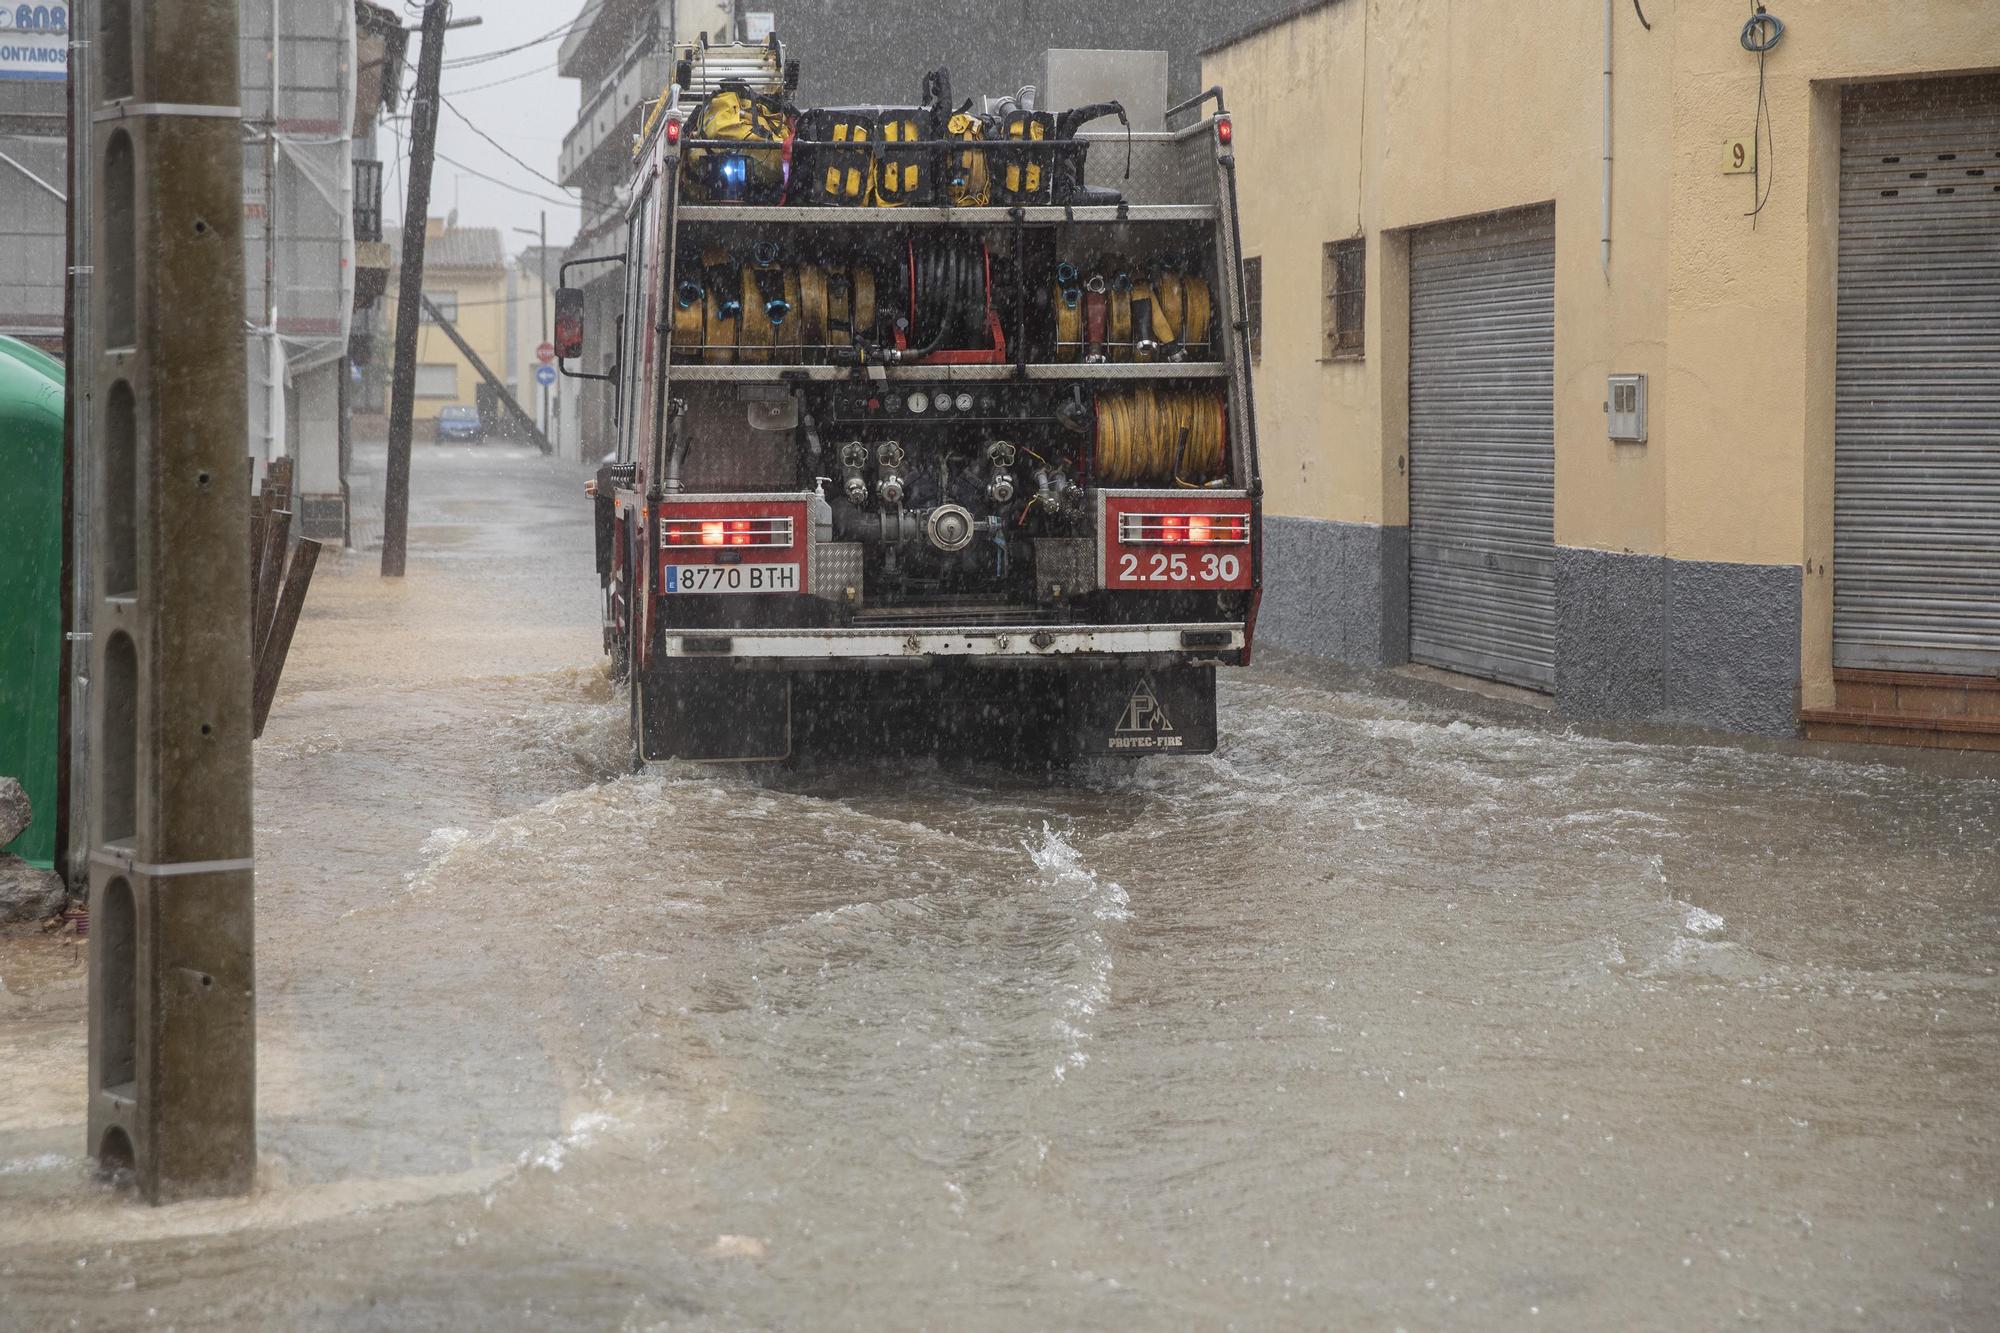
{"x": 1180, "y": 568}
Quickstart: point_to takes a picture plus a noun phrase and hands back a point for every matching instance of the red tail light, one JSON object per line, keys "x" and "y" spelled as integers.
{"x": 1183, "y": 529}
{"x": 1225, "y": 133}
{"x": 773, "y": 532}
{"x": 673, "y": 130}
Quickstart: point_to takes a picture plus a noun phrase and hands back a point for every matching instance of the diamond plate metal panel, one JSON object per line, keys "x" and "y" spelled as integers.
{"x": 838, "y": 566}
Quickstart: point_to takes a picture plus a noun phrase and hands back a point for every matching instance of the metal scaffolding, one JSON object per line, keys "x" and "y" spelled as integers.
{"x": 298, "y": 213}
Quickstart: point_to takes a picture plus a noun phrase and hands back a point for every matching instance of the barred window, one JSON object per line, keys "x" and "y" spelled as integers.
{"x": 1253, "y": 304}
{"x": 1343, "y": 272}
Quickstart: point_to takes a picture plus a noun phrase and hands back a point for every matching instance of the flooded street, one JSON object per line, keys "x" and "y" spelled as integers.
{"x": 1408, "y": 1008}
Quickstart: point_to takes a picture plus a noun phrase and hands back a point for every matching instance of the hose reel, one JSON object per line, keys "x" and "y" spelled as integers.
{"x": 727, "y": 311}
{"x": 1164, "y": 315}
{"x": 1153, "y": 436}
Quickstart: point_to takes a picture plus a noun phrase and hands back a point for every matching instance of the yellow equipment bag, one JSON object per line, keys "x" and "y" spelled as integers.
{"x": 754, "y": 173}
{"x": 849, "y": 179}
{"x": 903, "y": 177}
{"x": 1025, "y": 177}
{"x": 837, "y": 158}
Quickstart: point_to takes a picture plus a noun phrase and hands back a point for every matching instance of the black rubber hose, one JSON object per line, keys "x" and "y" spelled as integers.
{"x": 949, "y": 302}
{"x": 947, "y": 299}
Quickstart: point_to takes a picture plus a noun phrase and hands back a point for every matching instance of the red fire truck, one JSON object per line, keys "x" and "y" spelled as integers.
{"x": 930, "y": 417}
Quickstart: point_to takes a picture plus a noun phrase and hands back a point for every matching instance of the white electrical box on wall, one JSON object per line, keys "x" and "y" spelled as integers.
{"x": 1625, "y": 409}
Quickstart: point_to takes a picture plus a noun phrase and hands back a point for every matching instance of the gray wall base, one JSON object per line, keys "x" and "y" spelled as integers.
{"x": 1645, "y": 638}
{"x": 1639, "y": 638}
{"x": 1337, "y": 590}
{"x": 323, "y": 517}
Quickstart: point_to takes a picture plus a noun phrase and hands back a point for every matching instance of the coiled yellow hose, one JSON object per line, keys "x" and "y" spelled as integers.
{"x": 812, "y": 305}
{"x": 969, "y": 184}
{"x": 1182, "y": 310}
{"x": 691, "y": 326}
{"x": 755, "y": 332}
{"x": 813, "y": 319}
{"x": 1160, "y": 436}
{"x": 1069, "y": 327}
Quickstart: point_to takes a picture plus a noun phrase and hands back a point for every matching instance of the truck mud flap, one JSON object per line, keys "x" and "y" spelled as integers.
{"x": 1132, "y": 714}
{"x": 716, "y": 715}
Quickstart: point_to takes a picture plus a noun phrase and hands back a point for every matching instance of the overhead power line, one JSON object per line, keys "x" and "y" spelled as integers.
{"x": 511, "y": 78}
{"x": 502, "y": 148}
{"x": 517, "y": 189}
{"x": 554, "y": 34}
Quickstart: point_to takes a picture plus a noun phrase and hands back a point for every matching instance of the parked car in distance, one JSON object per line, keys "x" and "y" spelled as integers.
{"x": 459, "y": 422}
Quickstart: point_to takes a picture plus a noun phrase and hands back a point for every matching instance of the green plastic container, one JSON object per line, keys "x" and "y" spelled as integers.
{"x": 31, "y": 569}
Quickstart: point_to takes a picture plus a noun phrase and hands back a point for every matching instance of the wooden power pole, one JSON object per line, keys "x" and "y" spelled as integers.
{"x": 409, "y": 298}
{"x": 172, "y": 996}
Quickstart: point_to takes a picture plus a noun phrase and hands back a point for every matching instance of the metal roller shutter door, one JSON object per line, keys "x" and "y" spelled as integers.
{"x": 1917, "y": 420}
{"x": 1482, "y": 447}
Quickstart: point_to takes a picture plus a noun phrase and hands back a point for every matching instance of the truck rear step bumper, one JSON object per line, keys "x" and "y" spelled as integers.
{"x": 1211, "y": 639}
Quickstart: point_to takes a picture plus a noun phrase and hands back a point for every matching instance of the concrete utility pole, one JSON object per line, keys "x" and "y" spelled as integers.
{"x": 274, "y": 351}
{"x": 172, "y": 987}
{"x": 80, "y": 596}
{"x": 416, "y": 214}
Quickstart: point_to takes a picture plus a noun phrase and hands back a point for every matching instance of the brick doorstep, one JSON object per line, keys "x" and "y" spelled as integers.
{"x": 1860, "y": 717}
{"x": 1910, "y": 708}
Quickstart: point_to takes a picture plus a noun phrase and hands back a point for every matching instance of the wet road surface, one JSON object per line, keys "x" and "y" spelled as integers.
{"x": 1409, "y": 1008}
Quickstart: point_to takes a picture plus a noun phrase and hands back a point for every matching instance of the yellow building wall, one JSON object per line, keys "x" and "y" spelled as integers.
{"x": 1367, "y": 117}
{"x": 1296, "y": 102}
{"x": 482, "y": 321}
{"x": 1751, "y": 319}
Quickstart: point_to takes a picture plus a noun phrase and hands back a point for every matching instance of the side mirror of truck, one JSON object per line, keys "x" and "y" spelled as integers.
{"x": 569, "y": 323}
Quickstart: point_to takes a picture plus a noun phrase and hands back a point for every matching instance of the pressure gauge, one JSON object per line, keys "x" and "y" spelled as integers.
{"x": 920, "y": 402}
{"x": 965, "y": 402}
{"x": 942, "y": 402}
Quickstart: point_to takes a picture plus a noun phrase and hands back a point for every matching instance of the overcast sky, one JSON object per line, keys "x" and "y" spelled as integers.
{"x": 528, "y": 113}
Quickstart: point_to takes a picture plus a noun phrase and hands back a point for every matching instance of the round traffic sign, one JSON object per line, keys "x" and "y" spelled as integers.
{"x": 545, "y": 375}
{"x": 545, "y": 353}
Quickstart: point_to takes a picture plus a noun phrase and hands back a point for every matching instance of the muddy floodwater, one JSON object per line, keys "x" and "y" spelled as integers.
{"x": 1408, "y": 1008}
